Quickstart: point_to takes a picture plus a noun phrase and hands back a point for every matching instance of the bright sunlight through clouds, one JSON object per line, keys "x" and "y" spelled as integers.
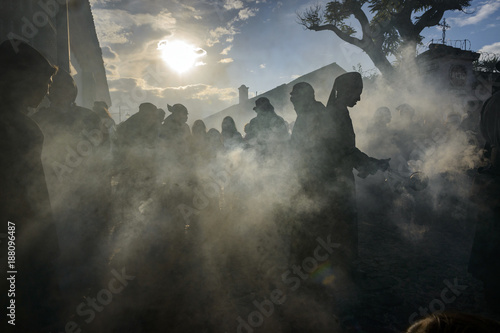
{"x": 179, "y": 55}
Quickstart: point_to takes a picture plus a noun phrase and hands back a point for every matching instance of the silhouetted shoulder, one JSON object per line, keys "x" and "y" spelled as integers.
{"x": 18, "y": 130}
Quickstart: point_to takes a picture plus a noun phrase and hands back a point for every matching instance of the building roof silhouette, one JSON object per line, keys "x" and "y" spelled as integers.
{"x": 321, "y": 79}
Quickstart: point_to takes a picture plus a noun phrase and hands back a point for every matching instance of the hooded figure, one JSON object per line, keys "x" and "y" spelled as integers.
{"x": 346, "y": 92}
{"x": 25, "y": 212}
{"x": 342, "y": 158}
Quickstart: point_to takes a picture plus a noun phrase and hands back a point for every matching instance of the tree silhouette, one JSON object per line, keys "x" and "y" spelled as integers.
{"x": 395, "y": 28}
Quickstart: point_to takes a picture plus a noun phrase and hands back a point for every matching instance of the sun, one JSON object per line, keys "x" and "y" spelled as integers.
{"x": 179, "y": 55}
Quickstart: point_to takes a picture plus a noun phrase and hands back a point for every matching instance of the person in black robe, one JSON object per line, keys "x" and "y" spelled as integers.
{"x": 25, "y": 76}
{"x": 342, "y": 156}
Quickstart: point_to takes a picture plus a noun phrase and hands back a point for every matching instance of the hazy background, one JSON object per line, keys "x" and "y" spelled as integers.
{"x": 253, "y": 42}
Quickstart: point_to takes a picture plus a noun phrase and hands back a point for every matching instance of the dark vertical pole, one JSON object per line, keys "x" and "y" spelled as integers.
{"x": 63, "y": 37}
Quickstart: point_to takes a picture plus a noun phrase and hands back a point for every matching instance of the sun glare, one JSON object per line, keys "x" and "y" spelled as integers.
{"x": 179, "y": 55}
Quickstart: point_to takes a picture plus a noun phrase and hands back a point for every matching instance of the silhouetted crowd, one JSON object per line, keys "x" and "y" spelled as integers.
{"x": 150, "y": 225}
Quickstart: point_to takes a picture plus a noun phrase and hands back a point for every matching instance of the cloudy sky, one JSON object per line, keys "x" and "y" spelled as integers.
{"x": 198, "y": 52}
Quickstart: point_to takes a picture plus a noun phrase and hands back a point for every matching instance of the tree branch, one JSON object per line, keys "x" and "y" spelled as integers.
{"x": 402, "y": 20}
{"x": 342, "y": 35}
{"x": 312, "y": 16}
{"x": 363, "y": 20}
{"x": 430, "y": 18}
